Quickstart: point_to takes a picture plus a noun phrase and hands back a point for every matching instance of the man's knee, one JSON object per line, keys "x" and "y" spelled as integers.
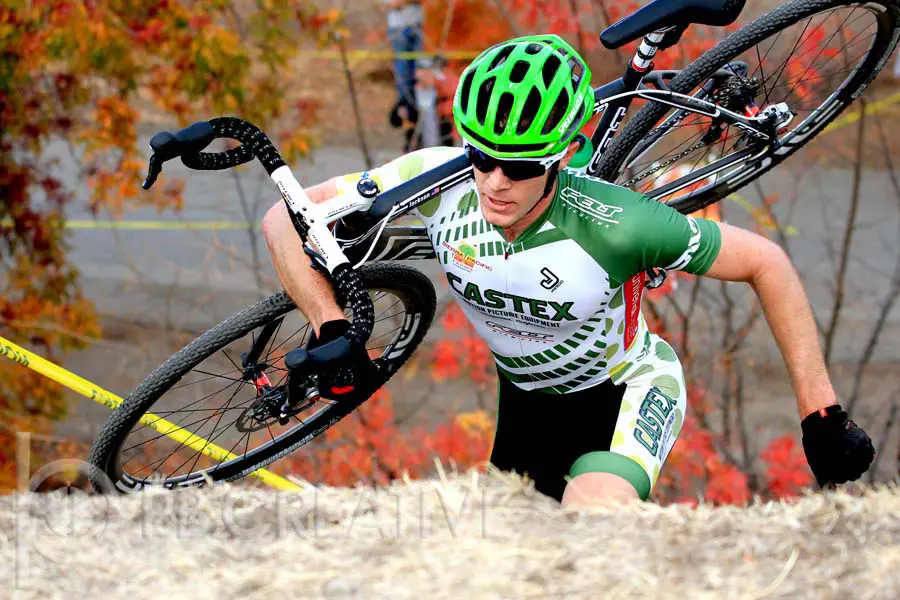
{"x": 604, "y": 477}
{"x": 599, "y": 489}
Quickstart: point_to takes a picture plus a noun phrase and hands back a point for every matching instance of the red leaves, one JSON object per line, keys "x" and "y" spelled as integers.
{"x": 726, "y": 484}
{"x": 464, "y": 353}
{"x": 454, "y": 319}
{"x": 446, "y": 360}
{"x": 368, "y": 446}
{"x": 696, "y": 467}
{"x": 786, "y": 470}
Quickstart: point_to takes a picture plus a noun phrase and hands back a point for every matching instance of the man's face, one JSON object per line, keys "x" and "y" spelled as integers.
{"x": 505, "y": 202}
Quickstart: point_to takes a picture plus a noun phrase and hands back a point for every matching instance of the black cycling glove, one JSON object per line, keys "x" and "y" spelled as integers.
{"x": 836, "y": 448}
{"x": 350, "y": 377}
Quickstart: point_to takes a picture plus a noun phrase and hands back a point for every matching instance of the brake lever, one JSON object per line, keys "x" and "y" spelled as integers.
{"x": 155, "y": 168}
{"x": 166, "y": 146}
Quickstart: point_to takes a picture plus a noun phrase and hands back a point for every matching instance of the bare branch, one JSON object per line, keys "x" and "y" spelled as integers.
{"x": 360, "y": 132}
{"x": 250, "y": 218}
{"x": 848, "y": 235}
{"x": 890, "y": 297}
{"x": 892, "y": 417}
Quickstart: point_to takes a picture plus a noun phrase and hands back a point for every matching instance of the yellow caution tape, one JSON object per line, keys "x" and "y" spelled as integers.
{"x": 755, "y": 212}
{"x": 175, "y": 225}
{"x": 97, "y": 394}
{"x": 387, "y": 54}
{"x": 871, "y": 109}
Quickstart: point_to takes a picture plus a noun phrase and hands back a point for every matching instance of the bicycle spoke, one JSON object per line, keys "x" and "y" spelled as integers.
{"x": 212, "y": 376}
{"x": 177, "y": 428}
{"x": 209, "y": 438}
{"x": 195, "y": 402}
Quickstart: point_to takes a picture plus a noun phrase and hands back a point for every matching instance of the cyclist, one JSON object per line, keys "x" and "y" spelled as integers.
{"x": 549, "y": 266}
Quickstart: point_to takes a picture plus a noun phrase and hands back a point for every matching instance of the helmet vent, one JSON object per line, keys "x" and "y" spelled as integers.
{"x": 501, "y": 57}
{"x": 519, "y": 70}
{"x": 504, "y": 107}
{"x": 577, "y": 71}
{"x": 529, "y": 111}
{"x": 556, "y": 113}
{"x": 465, "y": 91}
{"x": 484, "y": 97}
{"x": 533, "y": 48}
{"x": 551, "y": 66}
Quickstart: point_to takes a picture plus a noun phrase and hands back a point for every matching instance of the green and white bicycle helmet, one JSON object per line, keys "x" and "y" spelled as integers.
{"x": 524, "y": 98}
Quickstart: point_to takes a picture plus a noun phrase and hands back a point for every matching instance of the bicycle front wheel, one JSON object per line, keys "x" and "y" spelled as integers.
{"x": 813, "y": 56}
{"x": 205, "y": 401}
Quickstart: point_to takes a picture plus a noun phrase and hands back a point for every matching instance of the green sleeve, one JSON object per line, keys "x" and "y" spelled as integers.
{"x": 671, "y": 240}
{"x": 627, "y": 233}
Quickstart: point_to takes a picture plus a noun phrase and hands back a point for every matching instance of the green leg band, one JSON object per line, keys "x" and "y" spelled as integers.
{"x": 614, "y": 464}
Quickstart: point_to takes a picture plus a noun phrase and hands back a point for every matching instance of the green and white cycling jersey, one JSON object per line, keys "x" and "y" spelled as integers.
{"x": 560, "y": 306}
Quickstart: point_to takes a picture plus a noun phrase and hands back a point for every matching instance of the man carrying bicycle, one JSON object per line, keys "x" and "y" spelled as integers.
{"x": 549, "y": 267}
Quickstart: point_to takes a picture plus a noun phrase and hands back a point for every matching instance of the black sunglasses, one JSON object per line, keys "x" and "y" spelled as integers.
{"x": 515, "y": 170}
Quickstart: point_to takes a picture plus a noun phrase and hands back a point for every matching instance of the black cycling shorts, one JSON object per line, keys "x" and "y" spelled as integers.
{"x": 542, "y": 435}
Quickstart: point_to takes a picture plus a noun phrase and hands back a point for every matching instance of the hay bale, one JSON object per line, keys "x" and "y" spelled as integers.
{"x": 465, "y": 535}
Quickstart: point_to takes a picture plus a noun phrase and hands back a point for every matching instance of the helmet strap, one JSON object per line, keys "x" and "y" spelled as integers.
{"x": 553, "y": 171}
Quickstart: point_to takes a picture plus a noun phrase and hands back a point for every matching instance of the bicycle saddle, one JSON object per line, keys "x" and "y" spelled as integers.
{"x": 660, "y": 14}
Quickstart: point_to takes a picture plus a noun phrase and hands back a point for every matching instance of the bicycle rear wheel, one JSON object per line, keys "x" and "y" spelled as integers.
{"x": 206, "y": 391}
{"x": 816, "y": 56}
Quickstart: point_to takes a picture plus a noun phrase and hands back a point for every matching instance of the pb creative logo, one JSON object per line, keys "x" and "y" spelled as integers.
{"x": 600, "y": 212}
{"x": 550, "y": 280}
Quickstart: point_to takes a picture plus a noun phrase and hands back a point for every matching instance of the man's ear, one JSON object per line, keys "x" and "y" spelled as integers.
{"x": 570, "y": 152}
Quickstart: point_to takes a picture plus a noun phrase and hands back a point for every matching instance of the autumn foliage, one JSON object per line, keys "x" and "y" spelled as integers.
{"x": 81, "y": 75}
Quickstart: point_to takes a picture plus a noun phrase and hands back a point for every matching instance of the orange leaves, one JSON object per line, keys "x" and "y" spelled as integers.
{"x": 463, "y": 353}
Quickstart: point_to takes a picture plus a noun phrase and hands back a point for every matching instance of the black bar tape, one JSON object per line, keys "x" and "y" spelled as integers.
{"x": 354, "y": 295}
{"x": 217, "y": 161}
{"x": 251, "y": 136}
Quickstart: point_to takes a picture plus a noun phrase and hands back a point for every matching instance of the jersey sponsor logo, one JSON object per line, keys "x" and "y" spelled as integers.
{"x": 654, "y": 422}
{"x": 600, "y": 212}
{"x": 546, "y": 313}
{"x": 571, "y": 117}
{"x": 550, "y": 280}
{"x": 634, "y": 288}
{"x": 465, "y": 256}
{"x": 517, "y": 333}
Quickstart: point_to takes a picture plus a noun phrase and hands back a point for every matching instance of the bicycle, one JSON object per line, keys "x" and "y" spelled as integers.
{"x": 714, "y": 125}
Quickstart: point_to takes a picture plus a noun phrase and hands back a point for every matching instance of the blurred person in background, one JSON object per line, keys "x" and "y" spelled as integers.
{"x": 433, "y": 126}
{"x": 404, "y": 20}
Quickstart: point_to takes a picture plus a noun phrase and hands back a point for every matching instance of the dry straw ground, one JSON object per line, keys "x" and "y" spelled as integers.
{"x": 466, "y": 536}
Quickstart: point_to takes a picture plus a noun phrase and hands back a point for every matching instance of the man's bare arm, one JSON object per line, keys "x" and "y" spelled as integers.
{"x": 748, "y": 257}
{"x": 309, "y": 289}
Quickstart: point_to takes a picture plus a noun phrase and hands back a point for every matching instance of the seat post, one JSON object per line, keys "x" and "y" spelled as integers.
{"x": 643, "y": 58}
